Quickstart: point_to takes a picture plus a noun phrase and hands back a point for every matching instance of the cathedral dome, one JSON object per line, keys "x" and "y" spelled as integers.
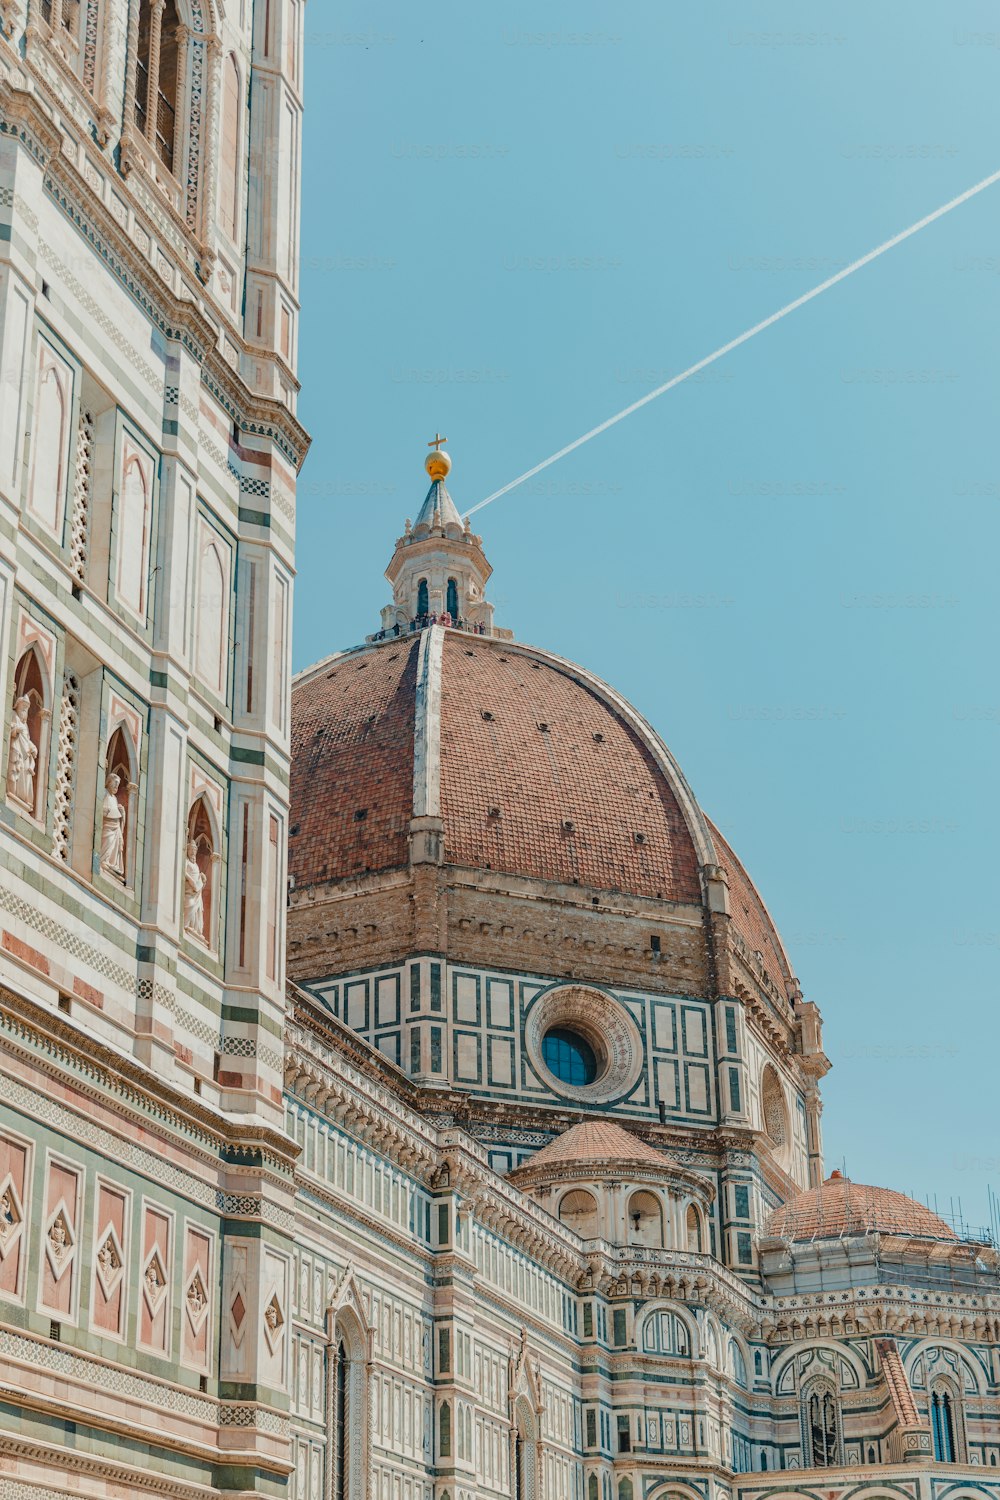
{"x": 839, "y": 1208}
{"x": 441, "y": 739}
{"x": 534, "y": 767}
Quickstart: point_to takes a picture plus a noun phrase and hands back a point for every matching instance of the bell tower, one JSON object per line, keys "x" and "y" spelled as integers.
{"x": 438, "y": 571}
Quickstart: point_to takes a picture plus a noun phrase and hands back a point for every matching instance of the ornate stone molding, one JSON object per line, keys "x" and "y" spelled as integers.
{"x": 607, "y": 1026}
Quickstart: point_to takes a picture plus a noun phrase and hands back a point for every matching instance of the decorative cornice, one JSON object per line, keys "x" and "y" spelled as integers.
{"x": 133, "y": 1091}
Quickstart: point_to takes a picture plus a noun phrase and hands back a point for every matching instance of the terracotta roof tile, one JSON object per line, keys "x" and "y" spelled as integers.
{"x": 597, "y": 1141}
{"x": 900, "y": 1394}
{"x": 540, "y": 777}
{"x": 352, "y": 765}
{"x": 840, "y": 1207}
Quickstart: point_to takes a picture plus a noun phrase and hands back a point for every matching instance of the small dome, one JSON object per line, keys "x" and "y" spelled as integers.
{"x": 839, "y": 1208}
{"x": 597, "y": 1142}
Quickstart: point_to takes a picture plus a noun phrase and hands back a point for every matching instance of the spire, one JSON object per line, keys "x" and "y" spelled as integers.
{"x": 438, "y": 508}
{"x": 438, "y": 571}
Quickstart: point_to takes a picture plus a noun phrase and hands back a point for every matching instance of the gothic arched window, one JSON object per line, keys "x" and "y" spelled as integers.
{"x": 944, "y": 1424}
{"x": 822, "y": 1426}
{"x": 157, "y": 74}
{"x": 347, "y": 1405}
{"x": 423, "y": 599}
{"x": 525, "y": 1452}
{"x": 693, "y": 1230}
{"x": 452, "y": 604}
{"x": 340, "y": 1406}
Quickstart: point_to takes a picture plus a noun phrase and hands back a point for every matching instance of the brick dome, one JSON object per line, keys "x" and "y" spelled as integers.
{"x": 533, "y": 767}
{"x": 839, "y": 1208}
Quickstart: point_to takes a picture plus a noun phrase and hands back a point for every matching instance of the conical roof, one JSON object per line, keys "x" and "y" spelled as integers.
{"x": 438, "y": 500}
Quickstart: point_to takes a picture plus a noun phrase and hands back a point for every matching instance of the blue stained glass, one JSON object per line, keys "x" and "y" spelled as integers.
{"x": 569, "y": 1056}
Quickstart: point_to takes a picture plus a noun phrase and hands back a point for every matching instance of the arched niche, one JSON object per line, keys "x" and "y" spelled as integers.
{"x": 117, "y": 835}
{"x": 201, "y": 874}
{"x": 28, "y": 735}
{"x": 578, "y": 1211}
{"x": 694, "y": 1229}
{"x": 645, "y": 1220}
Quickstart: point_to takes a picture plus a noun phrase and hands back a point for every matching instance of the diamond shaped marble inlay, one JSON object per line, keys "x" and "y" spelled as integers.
{"x": 238, "y": 1311}
{"x": 110, "y": 1260}
{"x": 154, "y": 1281}
{"x": 196, "y": 1301}
{"x": 274, "y": 1321}
{"x": 60, "y": 1241}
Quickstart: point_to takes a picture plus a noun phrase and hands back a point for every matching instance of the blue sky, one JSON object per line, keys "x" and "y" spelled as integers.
{"x": 516, "y": 220}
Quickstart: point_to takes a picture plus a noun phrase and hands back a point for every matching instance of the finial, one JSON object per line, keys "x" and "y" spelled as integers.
{"x": 437, "y": 464}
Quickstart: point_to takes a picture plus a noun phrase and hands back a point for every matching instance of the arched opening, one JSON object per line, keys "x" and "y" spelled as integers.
{"x": 694, "y": 1236}
{"x": 524, "y": 1454}
{"x": 592, "y": 1489}
{"x": 229, "y": 156}
{"x": 341, "y": 1424}
{"x": 116, "y": 809}
{"x": 347, "y": 1408}
{"x": 578, "y": 1211}
{"x": 452, "y": 599}
{"x": 773, "y": 1108}
{"x": 423, "y": 599}
{"x": 738, "y": 1363}
{"x": 625, "y": 1491}
{"x": 665, "y": 1333}
{"x": 26, "y": 739}
{"x": 200, "y": 865}
{"x": 645, "y": 1220}
{"x": 821, "y": 1419}
{"x": 944, "y": 1422}
{"x": 157, "y": 76}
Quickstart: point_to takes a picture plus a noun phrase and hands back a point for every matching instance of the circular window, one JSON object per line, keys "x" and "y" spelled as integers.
{"x": 583, "y": 1044}
{"x": 569, "y": 1056}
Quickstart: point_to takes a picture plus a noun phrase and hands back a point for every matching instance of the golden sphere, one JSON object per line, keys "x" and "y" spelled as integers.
{"x": 438, "y": 465}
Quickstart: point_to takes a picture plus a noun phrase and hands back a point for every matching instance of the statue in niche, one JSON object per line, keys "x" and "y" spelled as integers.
{"x": 22, "y": 757}
{"x": 113, "y": 829}
{"x": 194, "y": 893}
{"x": 57, "y": 1238}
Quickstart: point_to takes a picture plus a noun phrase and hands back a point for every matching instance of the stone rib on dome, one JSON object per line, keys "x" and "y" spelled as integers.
{"x": 750, "y": 916}
{"x": 594, "y": 1141}
{"x": 839, "y": 1208}
{"x": 535, "y": 775}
